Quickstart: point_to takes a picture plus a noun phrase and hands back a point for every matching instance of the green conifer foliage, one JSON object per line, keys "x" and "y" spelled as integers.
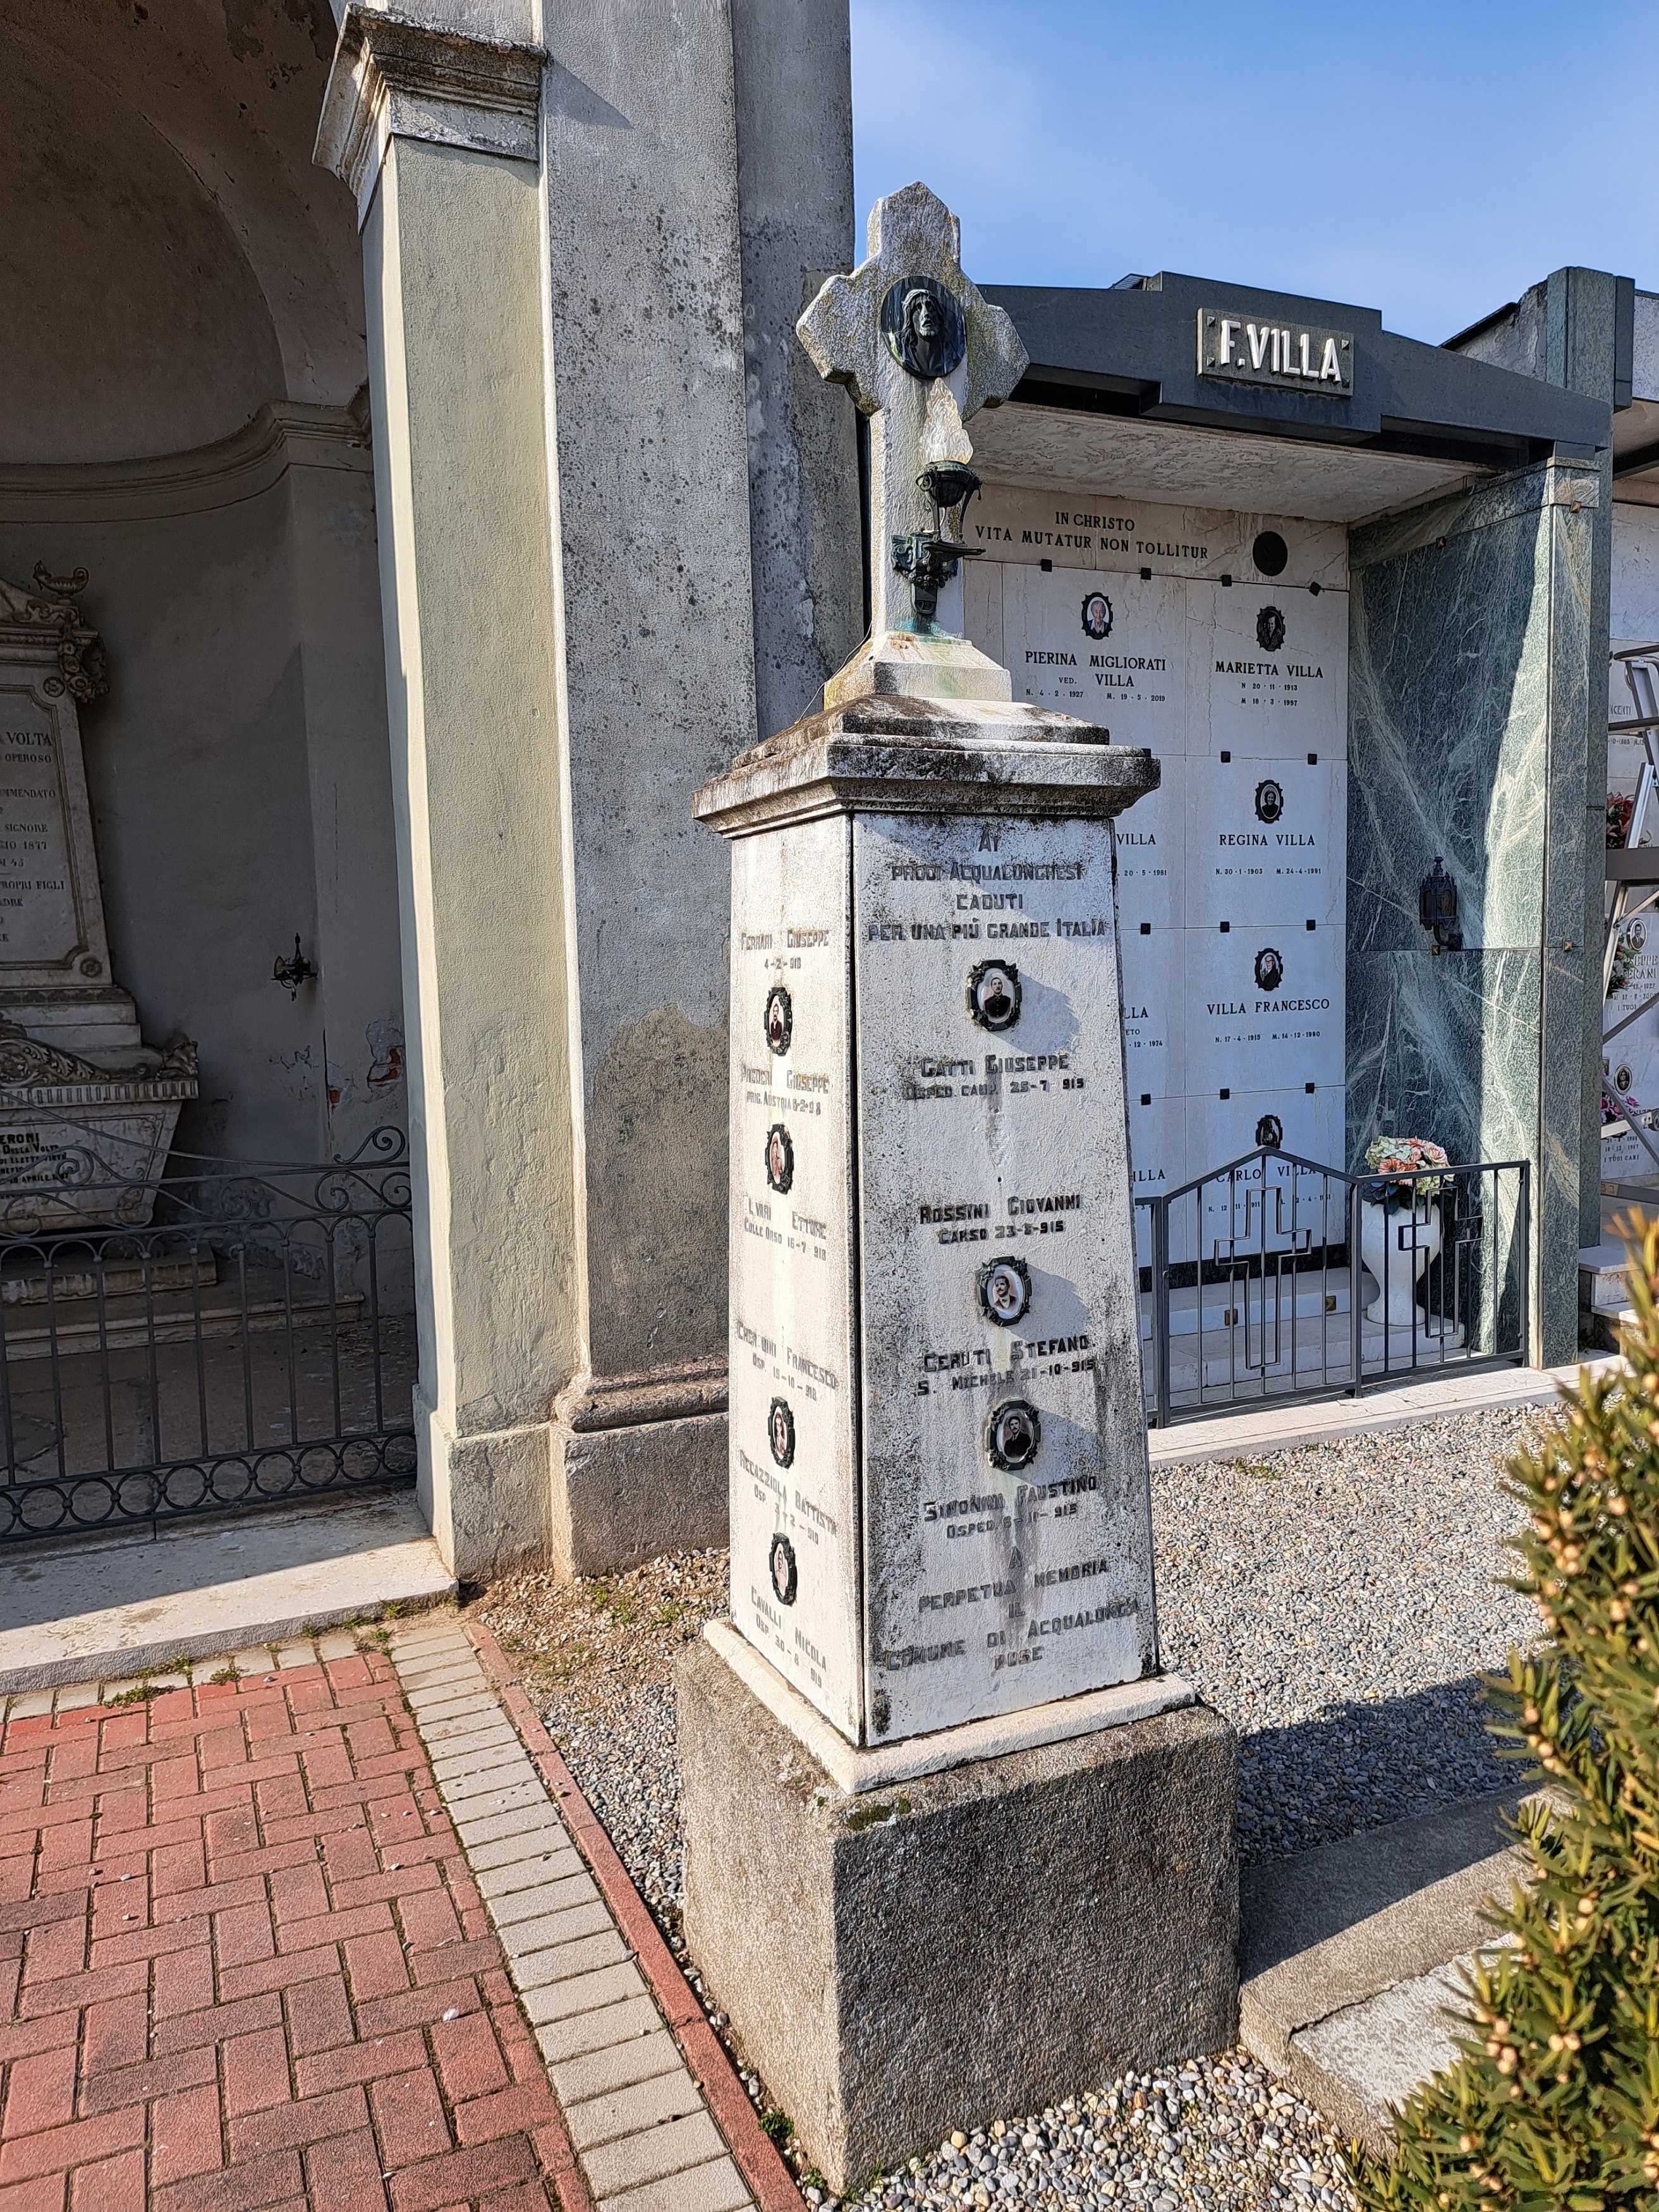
{"x": 1554, "y": 2104}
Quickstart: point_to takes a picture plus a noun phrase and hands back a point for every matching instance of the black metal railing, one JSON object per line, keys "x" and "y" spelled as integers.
{"x": 1275, "y": 1276}
{"x": 229, "y": 1335}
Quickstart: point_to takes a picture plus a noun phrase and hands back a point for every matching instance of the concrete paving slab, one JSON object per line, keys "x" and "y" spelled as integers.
{"x": 716, "y": 2187}
{"x": 583, "y": 1993}
{"x": 531, "y": 1851}
{"x": 604, "y": 2028}
{"x": 669, "y": 2095}
{"x": 1281, "y": 1423}
{"x": 515, "y": 1906}
{"x": 524, "y": 1934}
{"x": 503, "y": 1827}
{"x": 617, "y": 2066}
{"x": 652, "y": 2155}
{"x": 1348, "y": 1957}
{"x": 530, "y": 1870}
{"x": 112, "y": 1608}
{"x": 567, "y": 1962}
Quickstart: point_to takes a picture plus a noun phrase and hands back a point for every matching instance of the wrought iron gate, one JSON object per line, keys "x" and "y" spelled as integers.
{"x": 1274, "y": 1277}
{"x": 231, "y": 1335}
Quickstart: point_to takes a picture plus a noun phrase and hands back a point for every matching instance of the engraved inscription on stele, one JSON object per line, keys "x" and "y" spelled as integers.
{"x": 938, "y": 1481}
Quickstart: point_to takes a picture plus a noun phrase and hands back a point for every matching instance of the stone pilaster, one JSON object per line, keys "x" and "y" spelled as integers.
{"x": 554, "y": 285}
{"x": 436, "y": 135}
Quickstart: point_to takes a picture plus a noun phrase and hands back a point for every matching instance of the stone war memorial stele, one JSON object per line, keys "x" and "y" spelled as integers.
{"x": 954, "y": 1842}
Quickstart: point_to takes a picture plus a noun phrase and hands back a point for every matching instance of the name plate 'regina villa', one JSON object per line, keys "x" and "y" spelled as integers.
{"x": 1294, "y": 356}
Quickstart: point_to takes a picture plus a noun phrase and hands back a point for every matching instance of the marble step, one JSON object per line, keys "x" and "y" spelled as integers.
{"x": 171, "y": 1317}
{"x": 1322, "y": 1355}
{"x": 1604, "y": 1282}
{"x": 68, "y": 1281}
{"x": 1226, "y": 1304}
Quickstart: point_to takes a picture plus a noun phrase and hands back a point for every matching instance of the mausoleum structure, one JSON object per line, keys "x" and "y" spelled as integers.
{"x": 87, "y": 1108}
{"x": 1344, "y": 585}
{"x": 1602, "y": 334}
{"x": 412, "y": 382}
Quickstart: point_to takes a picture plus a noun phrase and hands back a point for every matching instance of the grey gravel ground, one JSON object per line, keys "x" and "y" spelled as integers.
{"x": 1338, "y": 1602}
{"x": 1219, "y": 2133}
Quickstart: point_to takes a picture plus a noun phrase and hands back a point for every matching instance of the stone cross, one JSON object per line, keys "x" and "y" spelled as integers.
{"x": 922, "y": 350}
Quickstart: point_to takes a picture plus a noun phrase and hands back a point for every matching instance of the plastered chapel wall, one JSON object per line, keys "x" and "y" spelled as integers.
{"x": 647, "y": 308}
{"x": 170, "y": 257}
{"x": 181, "y": 293}
{"x": 201, "y": 784}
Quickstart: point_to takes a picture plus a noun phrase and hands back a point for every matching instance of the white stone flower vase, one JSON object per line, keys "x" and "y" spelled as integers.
{"x": 1397, "y": 1247}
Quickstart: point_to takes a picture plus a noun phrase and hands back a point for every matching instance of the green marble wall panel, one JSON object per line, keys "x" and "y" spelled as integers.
{"x": 1446, "y": 1046}
{"x": 1470, "y": 698}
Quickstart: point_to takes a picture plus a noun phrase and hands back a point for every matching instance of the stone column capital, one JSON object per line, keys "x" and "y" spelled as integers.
{"x": 395, "y": 78}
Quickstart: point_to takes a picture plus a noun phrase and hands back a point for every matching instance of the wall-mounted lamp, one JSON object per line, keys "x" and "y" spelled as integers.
{"x": 292, "y": 972}
{"x": 1437, "y": 909}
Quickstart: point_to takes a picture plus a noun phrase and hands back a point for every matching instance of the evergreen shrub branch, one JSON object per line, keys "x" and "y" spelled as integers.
{"x": 1553, "y": 2103}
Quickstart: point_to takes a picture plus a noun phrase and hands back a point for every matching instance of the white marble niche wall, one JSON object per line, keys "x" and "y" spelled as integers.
{"x": 1231, "y": 888}
{"x": 884, "y": 1560}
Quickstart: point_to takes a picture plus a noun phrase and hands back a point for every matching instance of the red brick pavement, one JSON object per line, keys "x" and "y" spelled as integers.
{"x": 244, "y": 1965}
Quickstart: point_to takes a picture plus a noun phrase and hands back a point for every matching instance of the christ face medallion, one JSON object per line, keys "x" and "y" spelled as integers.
{"x": 924, "y": 327}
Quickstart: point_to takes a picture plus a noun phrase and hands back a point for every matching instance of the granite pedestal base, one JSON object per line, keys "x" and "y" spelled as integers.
{"x": 971, "y": 1943}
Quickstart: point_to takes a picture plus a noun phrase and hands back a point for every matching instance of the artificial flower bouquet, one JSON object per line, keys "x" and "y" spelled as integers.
{"x": 1404, "y": 1156}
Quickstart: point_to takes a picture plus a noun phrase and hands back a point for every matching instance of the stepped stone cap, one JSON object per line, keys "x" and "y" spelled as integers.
{"x": 923, "y": 756}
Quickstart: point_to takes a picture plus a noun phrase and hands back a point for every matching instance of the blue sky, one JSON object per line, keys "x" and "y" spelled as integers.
{"x": 1428, "y": 159}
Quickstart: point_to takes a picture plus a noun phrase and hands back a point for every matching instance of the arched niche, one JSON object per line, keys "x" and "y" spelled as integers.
{"x": 171, "y": 260}
{"x": 181, "y": 291}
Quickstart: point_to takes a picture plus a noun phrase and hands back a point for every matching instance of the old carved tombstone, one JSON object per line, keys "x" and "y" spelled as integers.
{"x": 87, "y": 1108}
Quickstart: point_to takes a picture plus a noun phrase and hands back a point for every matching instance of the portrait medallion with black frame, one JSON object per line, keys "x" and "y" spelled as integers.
{"x": 780, "y": 1431}
{"x": 780, "y": 1565}
{"x": 779, "y": 1157}
{"x": 993, "y": 994}
{"x": 1005, "y": 1290}
{"x": 780, "y": 1019}
{"x": 1012, "y": 1435}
